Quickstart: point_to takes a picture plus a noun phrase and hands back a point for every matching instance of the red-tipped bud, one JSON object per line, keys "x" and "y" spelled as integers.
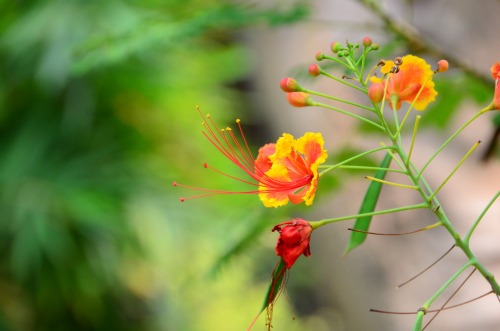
{"x": 314, "y": 70}
{"x": 495, "y": 71}
{"x": 376, "y": 92}
{"x": 367, "y": 41}
{"x": 319, "y": 56}
{"x": 442, "y": 66}
{"x": 290, "y": 85}
{"x": 299, "y": 99}
{"x": 336, "y": 46}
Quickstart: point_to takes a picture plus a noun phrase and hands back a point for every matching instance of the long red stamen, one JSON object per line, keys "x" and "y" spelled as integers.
{"x": 238, "y": 151}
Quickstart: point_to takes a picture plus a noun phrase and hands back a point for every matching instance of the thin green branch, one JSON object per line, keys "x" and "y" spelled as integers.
{"x": 320, "y": 223}
{"x": 425, "y": 307}
{"x": 448, "y": 300}
{"x": 413, "y": 187}
{"x": 476, "y": 223}
{"x": 345, "y": 112}
{"x": 451, "y": 138}
{"x": 337, "y": 99}
{"x": 454, "y": 170}
{"x": 348, "y": 167}
{"x": 412, "y": 144}
{"x": 342, "y": 81}
{"x": 335, "y": 166}
{"x": 347, "y": 65}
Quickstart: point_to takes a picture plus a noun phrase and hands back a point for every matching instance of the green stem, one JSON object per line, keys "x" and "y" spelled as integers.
{"x": 342, "y": 81}
{"x": 363, "y": 62}
{"x": 454, "y": 170}
{"x": 335, "y": 166}
{"x": 320, "y": 223}
{"x": 412, "y": 144}
{"x": 337, "y": 99}
{"x": 425, "y": 307}
{"x": 345, "y": 112}
{"x": 352, "y": 167}
{"x": 434, "y": 205}
{"x": 396, "y": 120}
{"x": 413, "y": 187}
{"x": 334, "y": 59}
{"x": 451, "y": 138}
{"x": 476, "y": 223}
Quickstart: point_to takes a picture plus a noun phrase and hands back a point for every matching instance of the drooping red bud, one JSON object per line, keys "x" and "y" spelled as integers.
{"x": 290, "y": 85}
{"x": 293, "y": 240}
{"x": 299, "y": 99}
{"x": 314, "y": 70}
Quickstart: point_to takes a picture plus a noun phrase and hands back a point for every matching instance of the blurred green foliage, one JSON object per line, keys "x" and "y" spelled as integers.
{"x": 96, "y": 120}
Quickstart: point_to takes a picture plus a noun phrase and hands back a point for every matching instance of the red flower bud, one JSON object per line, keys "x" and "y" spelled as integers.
{"x": 299, "y": 99}
{"x": 376, "y": 92}
{"x": 319, "y": 56}
{"x": 293, "y": 240}
{"x": 442, "y": 66}
{"x": 367, "y": 41}
{"x": 290, "y": 85}
{"x": 336, "y": 46}
{"x": 495, "y": 73}
{"x": 314, "y": 70}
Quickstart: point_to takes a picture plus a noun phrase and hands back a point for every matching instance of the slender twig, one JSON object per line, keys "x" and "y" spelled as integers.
{"x": 451, "y": 297}
{"x": 425, "y": 228}
{"x": 317, "y": 224}
{"x": 413, "y": 187}
{"x": 415, "y": 129}
{"x": 423, "y": 271}
{"x": 430, "y": 311}
{"x": 454, "y": 170}
{"x": 473, "y": 227}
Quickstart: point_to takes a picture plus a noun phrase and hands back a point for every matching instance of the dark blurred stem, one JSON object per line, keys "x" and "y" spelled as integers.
{"x": 419, "y": 43}
{"x": 492, "y": 145}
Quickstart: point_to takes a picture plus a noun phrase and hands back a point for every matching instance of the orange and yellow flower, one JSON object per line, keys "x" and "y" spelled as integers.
{"x": 282, "y": 172}
{"x": 411, "y": 83}
{"x": 495, "y": 73}
{"x": 293, "y": 175}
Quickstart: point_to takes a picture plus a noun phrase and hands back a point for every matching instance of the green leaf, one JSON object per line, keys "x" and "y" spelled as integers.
{"x": 274, "y": 288}
{"x": 368, "y": 206}
{"x": 275, "y": 285}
